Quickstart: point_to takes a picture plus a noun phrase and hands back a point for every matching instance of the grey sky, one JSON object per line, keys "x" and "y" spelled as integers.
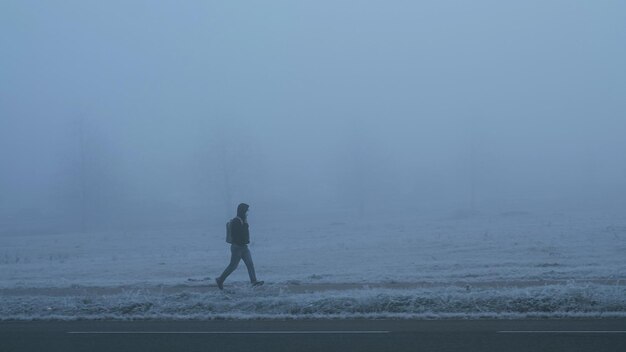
{"x": 317, "y": 102}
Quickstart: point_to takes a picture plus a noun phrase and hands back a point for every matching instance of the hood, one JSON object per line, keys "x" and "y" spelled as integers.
{"x": 242, "y": 209}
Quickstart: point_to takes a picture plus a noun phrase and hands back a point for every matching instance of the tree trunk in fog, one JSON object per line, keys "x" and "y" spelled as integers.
{"x": 82, "y": 175}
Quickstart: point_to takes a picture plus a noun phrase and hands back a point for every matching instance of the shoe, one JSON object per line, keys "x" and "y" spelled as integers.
{"x": 257, "y": 283}
{"x": 220, "y": 283}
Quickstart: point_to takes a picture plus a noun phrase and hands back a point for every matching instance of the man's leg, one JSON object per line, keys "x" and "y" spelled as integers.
{"x": 235, "y": 257}
{"x": 247, "y": 259}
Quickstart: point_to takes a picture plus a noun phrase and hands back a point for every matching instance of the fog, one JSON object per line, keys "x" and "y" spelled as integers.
{"x": 142, "y": 114}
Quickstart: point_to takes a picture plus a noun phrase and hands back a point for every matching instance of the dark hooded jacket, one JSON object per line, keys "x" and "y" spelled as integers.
{"x": 240, "y": 229}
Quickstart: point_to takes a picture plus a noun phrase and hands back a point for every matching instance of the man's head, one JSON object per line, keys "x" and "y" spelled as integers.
{"x": 242, "y": 209}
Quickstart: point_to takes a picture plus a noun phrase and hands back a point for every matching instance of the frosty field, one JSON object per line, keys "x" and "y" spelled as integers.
{"x": 436, "y": 265}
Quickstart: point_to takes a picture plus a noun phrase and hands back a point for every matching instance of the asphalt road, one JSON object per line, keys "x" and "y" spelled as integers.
{"x": 316, "y": 335}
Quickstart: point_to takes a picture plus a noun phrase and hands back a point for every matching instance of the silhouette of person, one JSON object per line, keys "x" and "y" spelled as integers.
{"x": 240, "y": 232}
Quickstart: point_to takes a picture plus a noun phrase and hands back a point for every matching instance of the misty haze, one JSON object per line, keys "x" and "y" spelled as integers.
{"x": 401, "y": 159}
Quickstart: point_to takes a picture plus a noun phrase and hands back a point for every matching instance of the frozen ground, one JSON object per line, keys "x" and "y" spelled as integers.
{"x": 497, "y": 264}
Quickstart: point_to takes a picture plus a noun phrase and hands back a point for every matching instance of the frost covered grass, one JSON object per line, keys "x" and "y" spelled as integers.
{"x": 569, "y": 300}
{"x": 439, "y": 249}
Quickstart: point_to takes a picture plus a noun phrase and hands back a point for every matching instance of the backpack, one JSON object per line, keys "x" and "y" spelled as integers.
{"x": 229, "y": 232}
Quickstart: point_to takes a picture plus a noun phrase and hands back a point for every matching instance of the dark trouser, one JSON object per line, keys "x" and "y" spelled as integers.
{"x": 237, "y": 253}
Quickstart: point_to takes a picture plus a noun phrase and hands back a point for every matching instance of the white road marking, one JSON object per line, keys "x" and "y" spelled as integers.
{"x": 237, "y": 332}
{"x": 562, "y": 332}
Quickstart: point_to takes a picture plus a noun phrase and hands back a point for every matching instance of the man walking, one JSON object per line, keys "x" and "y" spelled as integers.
{"x": 239, "y": 237}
